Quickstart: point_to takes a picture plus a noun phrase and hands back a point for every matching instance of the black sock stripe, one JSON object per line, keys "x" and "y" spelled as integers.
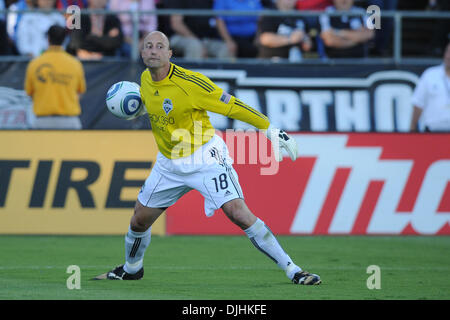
{"x": 260, "y": 249}
{"x": 135, "y": 247}
{"x": 132, "y": 248}
{"x": 268, "y": 229}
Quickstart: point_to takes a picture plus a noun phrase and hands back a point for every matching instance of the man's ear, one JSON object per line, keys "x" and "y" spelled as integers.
{"x": 170, "y": 54}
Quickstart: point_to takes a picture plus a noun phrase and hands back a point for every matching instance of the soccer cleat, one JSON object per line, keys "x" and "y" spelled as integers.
{"x": 306, "y": 278}
{"x": 119, "y": 274}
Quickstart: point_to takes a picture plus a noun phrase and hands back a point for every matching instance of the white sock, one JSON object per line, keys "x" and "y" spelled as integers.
{"x": 135, "y": 245}
{"x": 264, "y": 240}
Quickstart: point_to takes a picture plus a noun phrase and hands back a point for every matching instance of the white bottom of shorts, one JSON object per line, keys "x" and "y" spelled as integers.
{"x": 208, "y": 170}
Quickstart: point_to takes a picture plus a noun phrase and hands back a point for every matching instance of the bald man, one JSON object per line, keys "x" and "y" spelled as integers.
{"x": 191, "y": 156}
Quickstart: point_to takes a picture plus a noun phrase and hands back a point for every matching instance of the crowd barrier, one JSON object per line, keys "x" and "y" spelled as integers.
{"x": 346, "y": 97}
{"x": 86, "y": 182}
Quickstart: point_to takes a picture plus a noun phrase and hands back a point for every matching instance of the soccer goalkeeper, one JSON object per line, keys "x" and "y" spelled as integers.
{"x": 191, "y": 156}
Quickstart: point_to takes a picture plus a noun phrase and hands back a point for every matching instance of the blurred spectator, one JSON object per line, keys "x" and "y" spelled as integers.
{"x": 13, "y": 18}
{"x": 2, "y": 7}
{"x": 100, "y": 35}
{"x": 54, "y": 81}
{"x": 63, "y": 4}
{"x": 432, "y": 4}
{"x": 431, "y": 98}
{"x": 33, "y": 26}
{"x": 312, "y": 22}
{"x": 147, "y": 23}
{"x": 383, "y": 35}
{"x": 345, "y": 36}
{"x": 282, "y": 37}
{"x": 195, "y": 37}
{"x": 238, "y": 31}
{"x": 313, "y": 4}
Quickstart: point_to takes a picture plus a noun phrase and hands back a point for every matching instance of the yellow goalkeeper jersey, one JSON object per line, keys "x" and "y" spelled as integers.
{"x": 177, "y": 107}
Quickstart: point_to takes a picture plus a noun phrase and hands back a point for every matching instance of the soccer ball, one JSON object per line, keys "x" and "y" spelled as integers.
{"x": 123, "y": 100}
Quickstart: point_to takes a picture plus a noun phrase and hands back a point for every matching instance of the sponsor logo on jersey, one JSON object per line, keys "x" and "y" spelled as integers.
{"x": 167, "y": 106}
{"x": 161, "y": 119}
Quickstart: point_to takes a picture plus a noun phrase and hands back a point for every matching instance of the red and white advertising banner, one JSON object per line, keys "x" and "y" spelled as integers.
{"x": 357, "y": 183}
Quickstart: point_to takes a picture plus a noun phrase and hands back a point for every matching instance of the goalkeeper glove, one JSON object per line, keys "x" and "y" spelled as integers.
{"x": 281, "y": 140}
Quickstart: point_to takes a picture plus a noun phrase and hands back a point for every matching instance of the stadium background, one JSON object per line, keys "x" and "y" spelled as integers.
{"x": 360, "y": 171}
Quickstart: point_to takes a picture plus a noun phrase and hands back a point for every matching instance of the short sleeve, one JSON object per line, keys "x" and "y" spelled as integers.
{"x": 420, "y": 92}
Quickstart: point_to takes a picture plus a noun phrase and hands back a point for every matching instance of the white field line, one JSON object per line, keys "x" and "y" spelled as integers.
{"x": 224, "y": 268}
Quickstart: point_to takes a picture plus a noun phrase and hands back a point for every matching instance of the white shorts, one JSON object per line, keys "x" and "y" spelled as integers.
{"x": 208, "y": 170}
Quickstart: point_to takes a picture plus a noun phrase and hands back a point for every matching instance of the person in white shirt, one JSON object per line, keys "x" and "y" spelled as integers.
{"x": 32, "y": 29}
{"x": 431, "y": 98}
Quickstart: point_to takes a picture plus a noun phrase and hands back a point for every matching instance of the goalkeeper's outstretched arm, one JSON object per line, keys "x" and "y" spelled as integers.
{"x": 279, "y": 138}
{"x": 219, "y": 101}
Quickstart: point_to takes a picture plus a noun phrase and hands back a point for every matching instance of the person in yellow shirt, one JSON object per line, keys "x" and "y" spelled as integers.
{"x": 55, "y": 80}
{"x": 192, "y": 157}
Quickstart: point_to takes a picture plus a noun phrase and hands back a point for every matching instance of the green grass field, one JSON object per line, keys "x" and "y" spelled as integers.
{"x": 226, "y": 267}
